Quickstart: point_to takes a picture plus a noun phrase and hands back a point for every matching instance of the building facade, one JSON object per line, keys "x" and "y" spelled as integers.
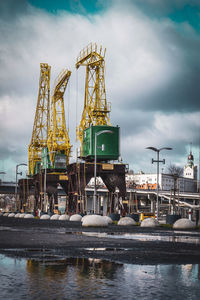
{"x": 167, "y": 182}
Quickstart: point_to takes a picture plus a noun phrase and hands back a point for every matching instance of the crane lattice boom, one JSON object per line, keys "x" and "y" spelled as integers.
{"x": 96, "y": 109}
{"x": 41, "y": 121}
{"x": 58, "y": 140}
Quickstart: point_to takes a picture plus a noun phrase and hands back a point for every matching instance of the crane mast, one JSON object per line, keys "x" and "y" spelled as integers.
{"x": 58, "y": 137}
{"x": 96, "y": 109}
{"x": 41, "y": 121}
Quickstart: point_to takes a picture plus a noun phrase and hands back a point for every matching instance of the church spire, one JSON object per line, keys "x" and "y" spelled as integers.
{"x": 190, "y": 159}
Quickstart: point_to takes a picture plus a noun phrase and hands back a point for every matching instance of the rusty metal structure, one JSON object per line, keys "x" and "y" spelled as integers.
{"x": 74, "y": 185}
{"x": 35, "y": 186}
{"x": 79, "y": 174}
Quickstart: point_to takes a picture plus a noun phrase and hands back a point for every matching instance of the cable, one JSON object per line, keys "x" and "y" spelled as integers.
{"x": 68, "y": 106}
{"x": 76, "y": 97}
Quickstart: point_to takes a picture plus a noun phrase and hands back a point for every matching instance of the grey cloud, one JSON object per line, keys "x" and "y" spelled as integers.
{"x": 181, "y": 95}
{"x": 11, "y": 9}
{"x": 180, "y": 89}
{"x": 131, "y": 120}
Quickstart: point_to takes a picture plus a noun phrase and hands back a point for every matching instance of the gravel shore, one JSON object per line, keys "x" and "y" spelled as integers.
{"x": 46, "y": 239}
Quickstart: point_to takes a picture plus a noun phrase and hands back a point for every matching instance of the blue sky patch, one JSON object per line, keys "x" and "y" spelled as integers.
{"x": 74, "y": 6}
{"x": 189, "y": 14}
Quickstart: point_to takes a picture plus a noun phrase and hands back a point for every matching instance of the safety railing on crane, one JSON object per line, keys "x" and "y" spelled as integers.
{"x": 104, "y": 108}
{"x": 92, "y": 47}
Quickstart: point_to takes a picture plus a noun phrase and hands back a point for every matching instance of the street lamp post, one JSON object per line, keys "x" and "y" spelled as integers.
{"x": 18, "y": 173}
{"x": 158, "y": 161}
{"x": 95, "y": 165}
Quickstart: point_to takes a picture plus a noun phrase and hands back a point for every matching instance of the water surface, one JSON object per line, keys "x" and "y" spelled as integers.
{"x": 79, "y": 278}
{"x": 148, "y": 237}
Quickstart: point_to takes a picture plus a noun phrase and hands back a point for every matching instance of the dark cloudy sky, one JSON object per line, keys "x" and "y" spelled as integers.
{"x": 152, "y": 72}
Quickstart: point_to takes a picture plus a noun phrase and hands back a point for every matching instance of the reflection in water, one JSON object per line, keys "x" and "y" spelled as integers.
{"x": 76, "y": 272}
{"x": 147, "y": 237}
{"x": 95, "y": 279}
{"x": 85, "y": 267}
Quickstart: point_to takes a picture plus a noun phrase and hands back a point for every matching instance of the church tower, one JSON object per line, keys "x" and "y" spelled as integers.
{"x": 190, "y": 170}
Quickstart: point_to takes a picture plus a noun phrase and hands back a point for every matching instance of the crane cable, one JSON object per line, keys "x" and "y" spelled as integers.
{"x": 85, "y": 204}
{"x": 76, "y": 98}
{"x": 68, "y": 105}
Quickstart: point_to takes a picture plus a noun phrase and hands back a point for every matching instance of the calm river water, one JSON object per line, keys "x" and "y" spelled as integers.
{"x": 95, "y": 279}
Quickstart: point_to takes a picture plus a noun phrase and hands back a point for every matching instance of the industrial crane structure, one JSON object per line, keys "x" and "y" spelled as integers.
{"x": 49, "y": 149}
{"x": 41, "y": 121}
{"x": 58, "y": 143}
{"x": 96, "y": 109}
{"x": 95, "y": 116}
{"x": 50, "y": 145}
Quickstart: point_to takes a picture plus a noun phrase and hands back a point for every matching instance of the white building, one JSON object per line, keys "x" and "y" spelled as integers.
{"x": 185, "y": 183}
{"x": 166, "y": 182}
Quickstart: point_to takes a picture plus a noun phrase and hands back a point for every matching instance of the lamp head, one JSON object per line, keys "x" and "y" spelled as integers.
{"x": 166, "y": 148}
{"x": 152, "y": 148}
{"x": 21, "y": 165}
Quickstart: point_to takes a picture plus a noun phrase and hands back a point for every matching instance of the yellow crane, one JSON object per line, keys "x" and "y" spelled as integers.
{"x": 96, "y": 109}
{"x": 41, "y": 121}
{"x": 58, "y": 137}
